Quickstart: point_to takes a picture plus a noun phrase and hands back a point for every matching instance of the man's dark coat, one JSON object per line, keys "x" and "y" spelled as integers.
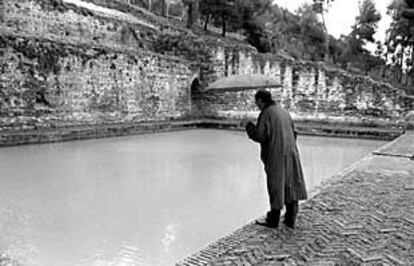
{"x": 279, "y": 153}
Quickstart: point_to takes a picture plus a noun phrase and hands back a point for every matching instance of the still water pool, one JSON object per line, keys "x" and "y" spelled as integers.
{"x": 142, "y": 200}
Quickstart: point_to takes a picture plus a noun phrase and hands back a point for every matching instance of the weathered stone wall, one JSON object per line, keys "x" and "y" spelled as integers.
{"x": 309, "y": 90}
{"x": 58, "y": 19}
{"x": 46, "y": 83}
{"x": 81, "y": 71}
{"x": 67, "y": 64}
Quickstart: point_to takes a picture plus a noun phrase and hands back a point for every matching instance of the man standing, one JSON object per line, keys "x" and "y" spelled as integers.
{"x": 279, "y": 154}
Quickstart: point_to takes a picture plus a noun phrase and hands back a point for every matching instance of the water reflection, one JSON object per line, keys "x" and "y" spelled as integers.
{"x": 141, "y": 200}
{"x": 170, "y": 236}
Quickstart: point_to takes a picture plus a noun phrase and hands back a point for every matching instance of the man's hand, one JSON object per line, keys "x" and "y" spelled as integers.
{"x": 244, "y": 122}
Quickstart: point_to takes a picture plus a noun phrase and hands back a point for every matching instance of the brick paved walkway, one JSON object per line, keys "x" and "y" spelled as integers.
{"x": 364, "y": 216}
{"x": 401, "y": 147}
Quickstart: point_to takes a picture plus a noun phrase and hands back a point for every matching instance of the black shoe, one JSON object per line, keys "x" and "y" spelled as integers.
{"x": 289, "y": 224}
{"x": 291, "y": 213}
{"x": 267, "y": 224}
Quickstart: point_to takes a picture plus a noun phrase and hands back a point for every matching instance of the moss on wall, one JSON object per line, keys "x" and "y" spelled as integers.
{"x": 47, "y": 83}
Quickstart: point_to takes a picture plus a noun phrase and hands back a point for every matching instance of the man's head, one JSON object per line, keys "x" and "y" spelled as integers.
{"x": 263, "y": 98}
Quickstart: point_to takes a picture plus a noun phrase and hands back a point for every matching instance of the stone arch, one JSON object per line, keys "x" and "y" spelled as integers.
{"x": 12, "y": 59}
{"x": 16, "y": 102}
{"x": 195, "y": 85}
{"x": 92, "y": 63}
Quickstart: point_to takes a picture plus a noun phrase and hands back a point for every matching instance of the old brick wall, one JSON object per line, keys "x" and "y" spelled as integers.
{"x": 309, "y": 90}
{"x": 58, "y": 19}
{"x": 59, "y": 67}
{"x": 67, "y": 64}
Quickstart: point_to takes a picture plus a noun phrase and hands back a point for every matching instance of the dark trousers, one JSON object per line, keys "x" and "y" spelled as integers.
{"x": 292, "y": 208}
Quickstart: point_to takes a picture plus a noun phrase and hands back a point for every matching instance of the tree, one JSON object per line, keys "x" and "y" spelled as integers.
{"x": 175, "y": 8}
{"x": 2, "y": 10}
{"x": 254, "y": 18}
{"x": 257, "y": 34}
{"x": 407, "y": 9}
{"x": 219, "y": 10}
{"x": 163, "y": 5}
{"x": 400, "y": 35}
{"x": 322, "y": 7}
{"x": 366, "y": 22}
{"x": 192, "y": 11}
{"x": 381, "y": 52}
{"x": 311, "y": 31}
{"x": 280, "y": 28}
{"x": 363, "y": 31}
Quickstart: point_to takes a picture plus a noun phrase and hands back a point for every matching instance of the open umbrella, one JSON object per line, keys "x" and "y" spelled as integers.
{"x": 255, "y": 81}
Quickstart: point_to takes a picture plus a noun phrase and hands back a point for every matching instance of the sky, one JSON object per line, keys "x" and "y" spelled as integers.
{"x": 342, "y": 13}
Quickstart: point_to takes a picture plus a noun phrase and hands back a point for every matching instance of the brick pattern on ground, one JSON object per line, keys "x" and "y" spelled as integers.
{"x": 362, "y": 217}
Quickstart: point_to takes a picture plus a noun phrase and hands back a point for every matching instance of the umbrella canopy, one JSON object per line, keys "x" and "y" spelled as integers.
{"x": 254, "y": 81}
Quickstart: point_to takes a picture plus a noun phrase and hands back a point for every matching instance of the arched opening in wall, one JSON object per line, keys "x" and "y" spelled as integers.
{"x": 195, "y": 86}
{"x": 295, "y": 77}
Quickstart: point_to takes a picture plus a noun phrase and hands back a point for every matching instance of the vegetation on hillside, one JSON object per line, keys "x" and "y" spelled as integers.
{"x": 303, "y": 34}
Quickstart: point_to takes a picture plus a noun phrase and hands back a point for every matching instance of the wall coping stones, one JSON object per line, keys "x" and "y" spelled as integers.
{"x": 402, "y": 147}
{"x": 49, "y": 135}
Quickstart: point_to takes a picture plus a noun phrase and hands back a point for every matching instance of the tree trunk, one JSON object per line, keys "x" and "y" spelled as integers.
{"x": 149, "y": 5}
{"x": 163, "y": 8}
{"x": 334, "y": 59}
{"x": 384, "y": 67}
{"x": 206, "y": 22}
{"x": 196, "y": 8}
{"x": 223, "y": 18}
{"x": 401, "y": 66}
{"x": 384, "y": 71}
{"x": 326, "y": 57}
{"x": 2, "y": 10}
{"x": 190, "y": 16}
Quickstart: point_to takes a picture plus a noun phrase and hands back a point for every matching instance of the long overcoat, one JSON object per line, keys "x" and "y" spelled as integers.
{"x": 279, "y": 153}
